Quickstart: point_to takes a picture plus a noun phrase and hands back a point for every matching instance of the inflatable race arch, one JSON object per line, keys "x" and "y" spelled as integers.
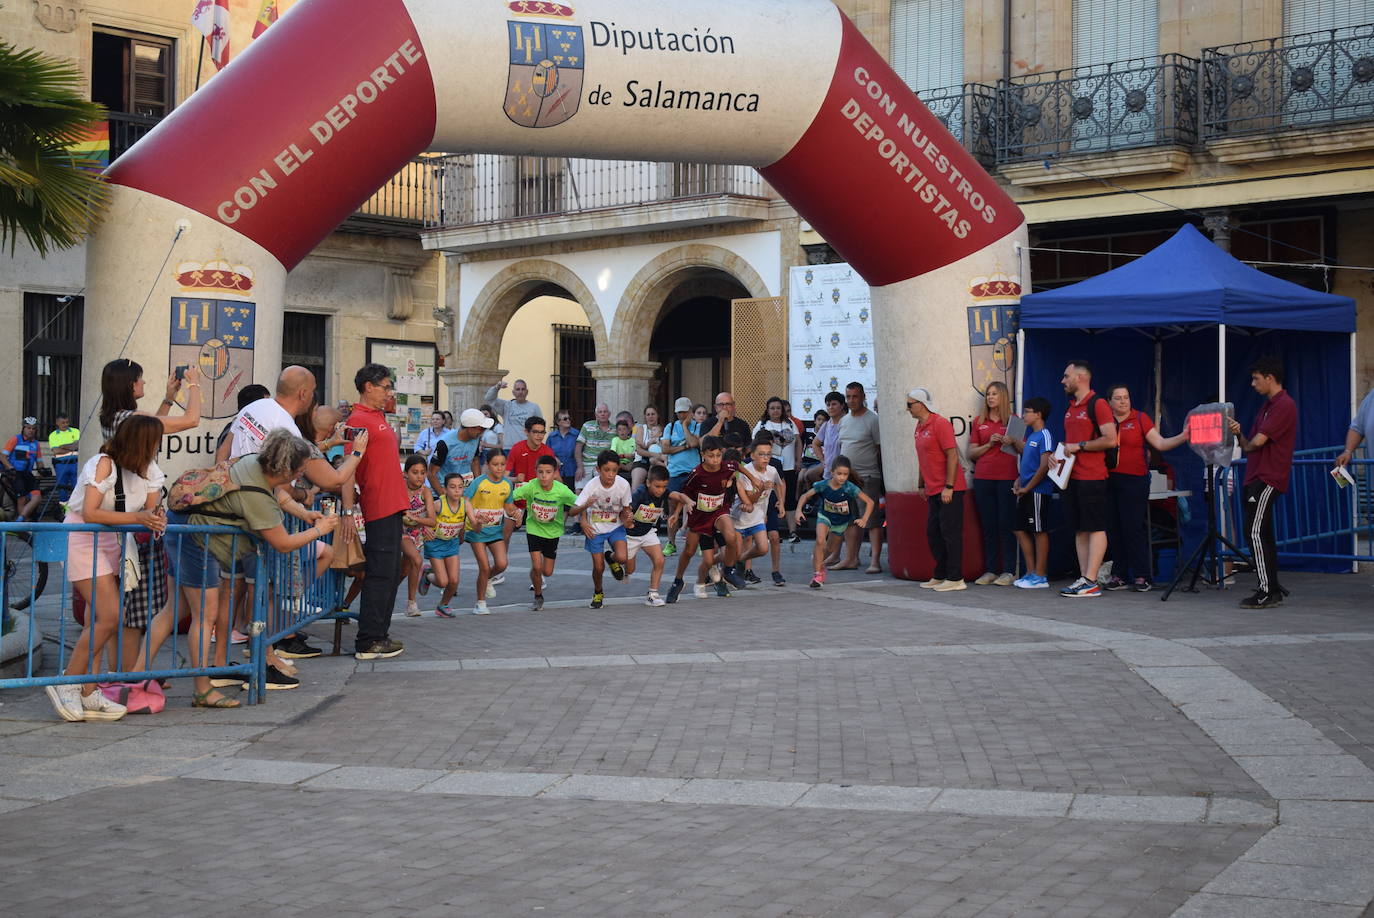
{"x": 240, "y": 183}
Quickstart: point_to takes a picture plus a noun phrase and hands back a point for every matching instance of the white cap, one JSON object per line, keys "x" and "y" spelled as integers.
{"x": 471, "y": 417}
{"x": 683, "y": 404}
{"x": 922, "y": 394}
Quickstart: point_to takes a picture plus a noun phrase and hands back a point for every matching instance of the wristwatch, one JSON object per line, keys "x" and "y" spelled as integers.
{"x": 1083, "y": 445}
{"x": 948, "y": 487}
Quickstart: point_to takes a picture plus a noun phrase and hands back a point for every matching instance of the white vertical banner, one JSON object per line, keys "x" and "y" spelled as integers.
{"x": 830, "y": 332}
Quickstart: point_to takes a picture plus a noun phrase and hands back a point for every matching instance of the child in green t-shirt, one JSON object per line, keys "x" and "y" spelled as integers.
{"x": 623, "y": 445}
{"x": 547, "y": 503}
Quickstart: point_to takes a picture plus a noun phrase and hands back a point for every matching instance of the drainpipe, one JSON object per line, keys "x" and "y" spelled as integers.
{"x": 1006, "y": 41}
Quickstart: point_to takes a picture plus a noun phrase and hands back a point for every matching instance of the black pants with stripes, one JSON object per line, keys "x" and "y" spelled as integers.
{"x": 1259, "y": 529}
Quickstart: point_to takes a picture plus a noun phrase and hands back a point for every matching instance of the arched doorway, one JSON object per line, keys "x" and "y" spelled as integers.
{"x": 548, "y": 343}
{"x": 691, "y": 340}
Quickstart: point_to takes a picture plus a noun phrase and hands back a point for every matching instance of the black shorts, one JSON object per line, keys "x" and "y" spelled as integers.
{"x": 1030, "y": 512}
{"x": 1085, "y": 506}
{"x": 773, "y": 518}
{"x": 546, "y": 547}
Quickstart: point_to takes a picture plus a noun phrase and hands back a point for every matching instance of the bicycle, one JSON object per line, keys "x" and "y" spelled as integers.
{"x": 25, "y": 578}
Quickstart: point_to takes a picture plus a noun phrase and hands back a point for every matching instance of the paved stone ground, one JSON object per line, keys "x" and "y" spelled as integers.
{"x": 866, "y": 749}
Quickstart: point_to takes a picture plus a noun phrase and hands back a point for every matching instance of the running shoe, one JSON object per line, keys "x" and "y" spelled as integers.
{"x": 931, "y": 584}
{"x": 1005, "y": 579}
{"x": 1115, "y": 583}
{"x": 653, "y": 599}
{"x": 598, "y": 599}
{"x": 950, "y": 586}
{"x": 713, "y": 573}
{"x": 617, "y": 569}
{"x": 424, "y": 580}
{"x": 97, "y": 707}
{"x": 1082, "y": 589}
{"x": 777, "y": 579}
{"x": 412, "y": 610}
{"x": 1141, "y": 585}
{"x": 986, "y": 578}
{"x": 794, "y": 538}
{"x": 818, "y": 579}
{"x": 1260, "y": 600}
{"x": 722, "y": 590}
{"x": 66, "y": 700}
{"x": 279, "y": 681}
{"x": 751, "y": 578}
{"x": 1039, "y": 583}
{"x": 674, "y": 591}
{"x": 735, "y": 580}
{"x": 380, "y": 650}
{"x": 491, "y": 590}
{"x": 498, "y": 579}
{"x": 295, "y": 648}
{"x": 538, "y": 603}
{"x": 444, "y": 612}
{"x": 669, "y": 549}
{"x": 699, "y": 590}
{"x": 481, "y": 608}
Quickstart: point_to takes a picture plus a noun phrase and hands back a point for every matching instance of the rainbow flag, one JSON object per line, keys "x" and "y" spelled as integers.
{"x": 266, "y": 16}
{"x": 94, "y": 146}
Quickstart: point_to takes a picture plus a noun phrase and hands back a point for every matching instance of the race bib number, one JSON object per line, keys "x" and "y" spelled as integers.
{"x": 648, "y": 514}
{"x": 836, "y": 508}
{"x": 543, "y": 513}
{"x": 604, "y": 516}
{"x": 487, "y": 517}
{"x": 709, "y": 503}
{"x": 448, "y": 530}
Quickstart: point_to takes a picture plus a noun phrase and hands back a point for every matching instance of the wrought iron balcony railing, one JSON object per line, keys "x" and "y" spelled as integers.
{"x": 126, "y": 129}
{"x": 483, "y": 188}
{"x": 1118, "y": 106}
{"x": 970, "y": 114}
{"x": 1293, "y": 81}
{"x": 409, "y": 199}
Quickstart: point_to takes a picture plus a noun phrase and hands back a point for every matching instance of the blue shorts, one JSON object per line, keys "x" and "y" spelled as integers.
{"x": 602, "y": 541}
{"x": 676, "y": 482}
{"x": 442, "y": 548}
{"x": 486, "y": 534}
{"x": 774, "y": 520}
{"x": 752, "y": 530}
{"x": 192, "y": 565}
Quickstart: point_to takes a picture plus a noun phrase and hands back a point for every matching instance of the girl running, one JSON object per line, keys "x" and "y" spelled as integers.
{"x": 486, "y": 504}
{"x": 837, "y": 495}
{"x": 418, "y": 519}
{"x": 445, "y": 543}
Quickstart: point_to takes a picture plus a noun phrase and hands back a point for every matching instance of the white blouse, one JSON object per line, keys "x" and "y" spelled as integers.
{"x": 136, "y": 487}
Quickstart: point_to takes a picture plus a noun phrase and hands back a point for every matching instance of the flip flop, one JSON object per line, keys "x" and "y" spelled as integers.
{"x": 202, "y": 700}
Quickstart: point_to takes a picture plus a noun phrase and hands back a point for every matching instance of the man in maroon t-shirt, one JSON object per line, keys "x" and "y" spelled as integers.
{"x": 942, "y": 487}
{"x": 1270, "y": 460}
{"x": 383, "y": 495}
{"x": 1089, "y": 431}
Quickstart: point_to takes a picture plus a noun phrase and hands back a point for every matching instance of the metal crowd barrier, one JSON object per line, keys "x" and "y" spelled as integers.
{"x": 296, "y": 597}
{"x": 39, "y": 601}
{"x": 1315, "y": 520}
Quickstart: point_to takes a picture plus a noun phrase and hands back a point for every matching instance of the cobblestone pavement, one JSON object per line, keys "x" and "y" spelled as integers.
{"x": 866, "y": 749}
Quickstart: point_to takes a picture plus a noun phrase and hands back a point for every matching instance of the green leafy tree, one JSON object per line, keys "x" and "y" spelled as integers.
{"x": 48, "y": 195}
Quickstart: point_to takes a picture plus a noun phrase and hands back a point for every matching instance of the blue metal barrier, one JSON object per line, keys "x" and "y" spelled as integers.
{"x": 48, "y": 564}
{"x": 293, "y": 595}
{"x": 1316, "y": 520}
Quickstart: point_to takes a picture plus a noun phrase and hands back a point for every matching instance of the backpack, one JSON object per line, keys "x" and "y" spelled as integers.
{"x": 1114, "y": 453}
{"x": 195, "y": 489}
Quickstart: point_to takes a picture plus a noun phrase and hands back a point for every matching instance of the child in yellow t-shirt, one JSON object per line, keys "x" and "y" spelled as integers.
{"x": 445, "y": 543}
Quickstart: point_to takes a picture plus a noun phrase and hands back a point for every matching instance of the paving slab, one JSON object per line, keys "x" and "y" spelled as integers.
{"x": 887, "y": 799}
{"x": 490, "y": 784}
{"x": 1230, "y": 811}
{"x": 1138, "y": 809}
{"x": 605, "y": 787}
{"x": 372, "y": 778}
{"x": 739, "y": 793}
{"x": 1001, "y": 803}
{"x": 1209, "y": 905}
{"x": 1318, "y": 817}
{"x": 259, "y": 771}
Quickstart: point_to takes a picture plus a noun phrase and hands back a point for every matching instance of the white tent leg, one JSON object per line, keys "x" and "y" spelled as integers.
{"x": 1021, "y": 369}
{"x": 1221, "y": 362}
{"x": 1159, "y": 379}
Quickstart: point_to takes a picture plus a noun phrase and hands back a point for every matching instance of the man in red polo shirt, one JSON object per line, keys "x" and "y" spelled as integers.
{"x": 383, "y": 496}
{"x": 941, "y": 485}
{"x": 524, "y": 457}
{"x": 1089, "y": 432}
{"x": 1267, "y": 467}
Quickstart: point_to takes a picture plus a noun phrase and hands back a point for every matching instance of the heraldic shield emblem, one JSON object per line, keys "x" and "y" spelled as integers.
{"x": 992, "y": 345}
{"x": 544, "y": 86}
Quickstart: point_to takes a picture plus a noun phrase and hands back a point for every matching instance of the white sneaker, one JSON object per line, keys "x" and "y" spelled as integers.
{"x": 481, "y": 608}
{"x": 491, "y": 590}
{"x": 653, "y": 599}
{"x": 699, "y": 591}
{"x": 497, "y": 580}
{"x": 950, "y": 585}
{"x": 713, "y": 573}
{"x": 98, "y": 707}
{"x": 987, "y": 578}
{"x": 931, "y": 584}
{"x": 412, "y": 610}
{"x": 66, "y": 700}
{"x": 1005, "y": 579}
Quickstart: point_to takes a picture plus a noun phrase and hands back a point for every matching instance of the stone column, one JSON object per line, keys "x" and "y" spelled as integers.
{"x": 624, "y": 385}
{"x": 1218, "y": 223}
{"x": 467, "y": 386}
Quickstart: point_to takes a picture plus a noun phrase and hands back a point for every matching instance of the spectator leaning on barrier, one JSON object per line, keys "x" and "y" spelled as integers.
{"x": 1361, "y": 430}
{"x": 118, "y": 486}
{"x": 1268, "y": 464}
{"x": 382, "y": 493}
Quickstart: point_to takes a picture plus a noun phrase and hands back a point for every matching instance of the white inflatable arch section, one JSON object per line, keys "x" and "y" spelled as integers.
{"x": 266, "y": 160}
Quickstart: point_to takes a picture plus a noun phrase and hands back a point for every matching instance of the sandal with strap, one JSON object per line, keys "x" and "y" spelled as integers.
{"x": 202, "y": 700}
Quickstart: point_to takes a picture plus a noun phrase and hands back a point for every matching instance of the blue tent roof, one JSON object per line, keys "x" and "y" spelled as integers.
{"x": 1186, "y": 281}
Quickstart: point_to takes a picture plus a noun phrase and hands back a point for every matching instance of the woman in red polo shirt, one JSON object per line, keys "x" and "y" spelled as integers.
{"x": 1128, "y": 491}
{"x": 994, "y": 473}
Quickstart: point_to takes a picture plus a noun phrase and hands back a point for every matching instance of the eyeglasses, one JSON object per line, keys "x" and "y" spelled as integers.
{"x": 724, "y": 404}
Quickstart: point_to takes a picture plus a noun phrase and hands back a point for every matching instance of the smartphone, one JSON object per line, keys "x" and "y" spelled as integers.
{"x": 351, "y": 433}
{"x": 181, "y": 371}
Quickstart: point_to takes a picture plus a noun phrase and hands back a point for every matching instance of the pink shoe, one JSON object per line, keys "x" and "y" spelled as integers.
{"x": 237, "y": 637}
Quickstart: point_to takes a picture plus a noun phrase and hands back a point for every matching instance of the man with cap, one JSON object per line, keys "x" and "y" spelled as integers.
{"x": 940, "y": 483}
{"x": 681, "y": 443}
{"x": 459, "y": 450}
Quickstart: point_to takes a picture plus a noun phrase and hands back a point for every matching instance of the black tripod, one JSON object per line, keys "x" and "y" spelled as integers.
{"x": 1205, "y": 562}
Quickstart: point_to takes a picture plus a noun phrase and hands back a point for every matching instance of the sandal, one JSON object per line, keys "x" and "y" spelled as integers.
{"x": 202, "y": 700}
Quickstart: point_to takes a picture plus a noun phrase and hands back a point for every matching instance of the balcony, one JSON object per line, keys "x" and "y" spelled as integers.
{"x": 1135, "y": 105}
{"x": 488, "y": 201}
{"x": 1289, "y": 89}
{"x": 126, "y": 129}
{"x": 408, "y": 202}
{"x": 969, "y": 112}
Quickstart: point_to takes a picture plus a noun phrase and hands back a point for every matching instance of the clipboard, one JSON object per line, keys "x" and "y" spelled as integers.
{"x": 1016, "y": 430}
{"x": 1060, "y": 467}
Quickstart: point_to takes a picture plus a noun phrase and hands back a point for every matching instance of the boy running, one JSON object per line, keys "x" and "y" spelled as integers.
{"x": 487, "y": 504}
{"x": 646, "y": 509}
{"x": 756, "y": 538}
{"x": 605, "y": 506}
{"x": 706, "y": 493}
{"x": 837, "y": 495}
{"x": 1033, "y": 489}
{"x": 547, "y": 503}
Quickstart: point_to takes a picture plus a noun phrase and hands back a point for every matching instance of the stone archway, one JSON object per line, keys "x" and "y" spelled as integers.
{"x": 648, "y": 292}
{"x": 478, "y": 349}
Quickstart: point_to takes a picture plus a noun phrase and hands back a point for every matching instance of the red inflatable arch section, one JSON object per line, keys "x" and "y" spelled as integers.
{"x": 267, "y": 159}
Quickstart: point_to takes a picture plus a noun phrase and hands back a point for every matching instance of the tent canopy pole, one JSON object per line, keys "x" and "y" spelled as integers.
{"x": 1221, "y": 362}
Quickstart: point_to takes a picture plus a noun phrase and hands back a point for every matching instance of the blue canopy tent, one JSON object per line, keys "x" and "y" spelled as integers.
{"x": 1180, "y": 326}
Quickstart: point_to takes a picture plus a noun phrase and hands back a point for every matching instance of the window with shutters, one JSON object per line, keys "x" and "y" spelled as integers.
{"x": 928, "y": 43}
{"x": 1311, "y": 15}
{"x": 1110, "y": 31}
{"x": 52, "y": 357}
{"x": 132, "y": 75}
{"x": 1107, "y": 34}
{"x": 304, "y": 343}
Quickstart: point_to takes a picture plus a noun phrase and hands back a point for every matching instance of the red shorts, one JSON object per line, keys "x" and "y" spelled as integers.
{"x": 705, "y": 523}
